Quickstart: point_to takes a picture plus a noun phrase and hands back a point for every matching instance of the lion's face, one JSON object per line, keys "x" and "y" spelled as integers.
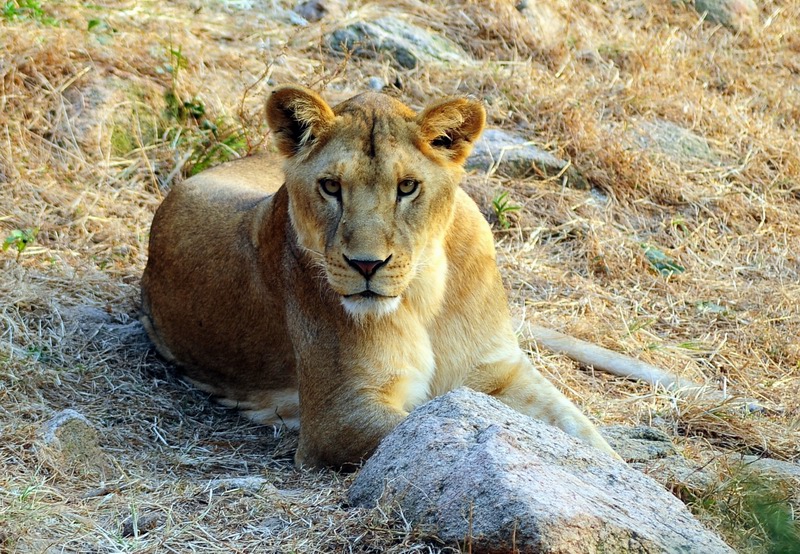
{"x": 371, "y": 186}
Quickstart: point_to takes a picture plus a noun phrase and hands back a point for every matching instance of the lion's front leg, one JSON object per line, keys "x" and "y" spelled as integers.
{"x": 342, "y": 429}
{"x": 510, "y": 377}
{"x": 356, "y": 392}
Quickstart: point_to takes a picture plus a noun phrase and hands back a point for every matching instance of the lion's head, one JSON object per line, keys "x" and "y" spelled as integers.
{"x": 371, "y": 185}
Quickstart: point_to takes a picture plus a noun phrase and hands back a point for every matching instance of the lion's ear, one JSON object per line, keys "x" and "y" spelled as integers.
{"x": 297, "y": 116}
{"x": 451, "y": 126}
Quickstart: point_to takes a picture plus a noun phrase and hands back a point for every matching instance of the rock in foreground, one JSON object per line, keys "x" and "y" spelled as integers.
{"x": 465, "y": 468}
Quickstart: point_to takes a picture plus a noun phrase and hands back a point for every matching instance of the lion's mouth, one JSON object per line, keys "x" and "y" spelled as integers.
{"x": 368, "y": 294}
{"x": 368, "y": 302}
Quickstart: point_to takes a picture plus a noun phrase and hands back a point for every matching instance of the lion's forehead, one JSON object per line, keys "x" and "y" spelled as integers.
{"x": 375, "y": 103}
{"x": 353, "y": 167}
{"x": 356, "y": 168}
{"x": 374, "y": 127}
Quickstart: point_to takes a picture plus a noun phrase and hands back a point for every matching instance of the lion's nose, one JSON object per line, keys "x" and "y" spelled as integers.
{"x": 367, "y": 268}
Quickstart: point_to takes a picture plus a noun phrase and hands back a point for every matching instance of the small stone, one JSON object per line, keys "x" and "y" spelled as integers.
{"x": 737, "y": 15}
{"x": 138, "y": 525}
{"x": 315, "y": 10}
{"x": 513, "y": 155}
{"x": 376, "y": 84}
{"x": 273, "y": 526}
{"x": 250, "y": 483}
{"x": 674, "y": 141}
{"x": 69, "y": 442}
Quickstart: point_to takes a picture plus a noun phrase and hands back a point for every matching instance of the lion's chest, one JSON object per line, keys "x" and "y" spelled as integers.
{"x": 404, "y": 362}
{"x": 415, "y": 383}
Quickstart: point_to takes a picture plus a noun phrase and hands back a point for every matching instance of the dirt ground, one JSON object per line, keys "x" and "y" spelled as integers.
{"x": 683, "y": 250}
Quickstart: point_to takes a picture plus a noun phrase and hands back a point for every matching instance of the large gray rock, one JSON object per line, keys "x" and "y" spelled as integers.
{"x": 738, "y": 15}
{"x": 467, "y": 469}
{"x": 513, "y": 155}
{"x": 403, "y": 42}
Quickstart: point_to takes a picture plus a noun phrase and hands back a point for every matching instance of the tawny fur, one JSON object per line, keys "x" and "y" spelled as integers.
{"x": 248, "y": 287}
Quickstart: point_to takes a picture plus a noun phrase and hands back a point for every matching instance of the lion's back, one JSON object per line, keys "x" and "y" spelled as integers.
{"x": 207, "y": 287}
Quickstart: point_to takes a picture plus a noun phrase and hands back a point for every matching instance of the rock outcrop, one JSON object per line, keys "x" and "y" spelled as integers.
{"x": 651, "y": 451}
{"x": 673, "y": 141}
{"x": 737, "y": 15}
{"x": 467, "y": 469}
{"x": 404, "y": 43}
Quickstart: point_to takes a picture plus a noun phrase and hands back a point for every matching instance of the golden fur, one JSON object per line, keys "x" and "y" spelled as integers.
{"x": 363, "y": 286}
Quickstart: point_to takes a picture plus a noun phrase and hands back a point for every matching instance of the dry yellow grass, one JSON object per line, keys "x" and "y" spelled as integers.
{"x": 87, "y": 152}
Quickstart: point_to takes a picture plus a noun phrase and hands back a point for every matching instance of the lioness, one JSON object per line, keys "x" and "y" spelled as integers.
{"x": 355, "y": 290}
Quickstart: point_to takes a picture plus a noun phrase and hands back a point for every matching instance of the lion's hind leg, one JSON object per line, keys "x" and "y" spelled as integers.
{"x": 275, "y": 407}
{"x": 510, "y": 377}
{"x": 278, "y": 407}
{"x": 155, "y": 336}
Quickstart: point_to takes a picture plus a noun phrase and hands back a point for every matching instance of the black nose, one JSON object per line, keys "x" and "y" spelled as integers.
{"x": 367, "y": 268}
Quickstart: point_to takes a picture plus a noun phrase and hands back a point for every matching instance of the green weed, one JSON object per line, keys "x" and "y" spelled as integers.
{"x": 101, "y": 30}
{"x": 209, "y": 142}
{"x": 21, "y": 10}
{"x": 754, "y": 512}
{"x": 662, "y": 263}
{"x": 206, "y": 142}
{"x": 19, "y": 239}
{"x": 503, "y": 208}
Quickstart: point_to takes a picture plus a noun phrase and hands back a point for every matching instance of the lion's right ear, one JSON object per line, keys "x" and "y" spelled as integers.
{"x": 297, "y": 116}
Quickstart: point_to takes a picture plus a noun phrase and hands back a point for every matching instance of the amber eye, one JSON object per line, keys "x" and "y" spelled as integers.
{"x": 330, "y": 187}
{"x": 407, "y": 187}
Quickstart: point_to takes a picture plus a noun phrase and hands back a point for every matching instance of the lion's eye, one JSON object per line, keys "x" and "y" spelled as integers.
{"x": 407, "y": 187}
{"x": 330, "y": 187}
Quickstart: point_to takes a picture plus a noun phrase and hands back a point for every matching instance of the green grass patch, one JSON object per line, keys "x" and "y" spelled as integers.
{"x": 754, "y": 512}
{"x": 27, "y": 10}
{"x": 660, "y": 261}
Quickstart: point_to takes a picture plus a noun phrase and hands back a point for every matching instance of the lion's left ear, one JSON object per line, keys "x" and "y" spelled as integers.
{"x": 451, "y": 127}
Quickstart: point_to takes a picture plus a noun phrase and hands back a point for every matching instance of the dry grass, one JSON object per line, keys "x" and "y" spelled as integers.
{"x": 88, "y": 147}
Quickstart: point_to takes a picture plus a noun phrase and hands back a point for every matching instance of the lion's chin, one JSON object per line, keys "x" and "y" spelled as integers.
{"x": 365, "y": 305}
